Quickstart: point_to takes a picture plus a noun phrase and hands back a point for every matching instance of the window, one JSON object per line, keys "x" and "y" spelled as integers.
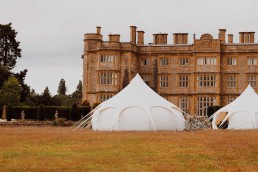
{"x": 146, "y": 62}
{"x": 203, "y": 103}
{"x": 183, "y": 104}
{"x": 252, "y": 61}
{"x": 231, "y": 99}
{"x": 107, "y": 58}
{"x": 206, "y": 81}
{"x": 163, "y": 82}
{"x": 164, "y": 62}
{"x": 183, "y": 81}
{"x": 183, "y": 61}
{"x": 232, "y": 81}
{"x": 206, "y": 61}
{"x": 251, "y": 79}
{"x": 108, "y": 78}
{"x": 231, "y": 61}
{"x": 146, "y": 79}
{"x": 104, "y": 97}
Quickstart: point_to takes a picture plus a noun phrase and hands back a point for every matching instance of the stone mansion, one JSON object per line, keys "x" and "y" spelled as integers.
{"x": 210, "y": 71}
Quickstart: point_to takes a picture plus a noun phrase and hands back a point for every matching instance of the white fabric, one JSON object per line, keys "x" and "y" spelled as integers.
{"x": 241, "y": 113}
{"x": 137, "y": 107}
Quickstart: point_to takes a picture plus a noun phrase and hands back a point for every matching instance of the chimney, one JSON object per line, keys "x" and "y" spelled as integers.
{"x": 185, "y": 40}
{"x": 114, "y": 37}
{"x": 180, "y": 38}
{"x": 175, "y": 38}
{"x": 133, "y": 34}
{"x": 246, "y": 37}
{"x": 222, "y": 35}
{"x": 140, "y": 38}
{"x": 241, "y": 37}
{"x": 98, "y": 30}
{"x": 160, "y": 38}
{"x": 230, "y": 38}
{"x": 164, "y": 38}
{"x": 252, "y": 37}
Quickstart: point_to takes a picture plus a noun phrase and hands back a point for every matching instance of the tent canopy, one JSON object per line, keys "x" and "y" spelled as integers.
{"x": 242, "y": 113}
{"x": 137, "y": 107}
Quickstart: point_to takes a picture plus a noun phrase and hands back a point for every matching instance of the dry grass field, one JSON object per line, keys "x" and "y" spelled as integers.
{"x": 61, "y": 149}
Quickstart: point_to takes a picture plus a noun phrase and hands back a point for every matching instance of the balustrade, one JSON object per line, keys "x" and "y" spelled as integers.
{"x": 165, "y": 49}
{"x": 240, "y": 48}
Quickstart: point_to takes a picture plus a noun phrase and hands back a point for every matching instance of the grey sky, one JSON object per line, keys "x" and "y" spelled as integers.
{"x": 51, "y": 31}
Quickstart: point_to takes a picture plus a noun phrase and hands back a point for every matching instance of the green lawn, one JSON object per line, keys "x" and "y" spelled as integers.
{"x": 61, "y": 149}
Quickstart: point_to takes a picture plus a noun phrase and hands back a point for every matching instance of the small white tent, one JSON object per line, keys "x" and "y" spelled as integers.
{"x": 137, "y": 107}
{"x": 242, "y": 113}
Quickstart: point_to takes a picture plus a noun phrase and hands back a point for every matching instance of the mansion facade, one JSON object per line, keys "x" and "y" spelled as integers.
{"x": 210, "y": 71}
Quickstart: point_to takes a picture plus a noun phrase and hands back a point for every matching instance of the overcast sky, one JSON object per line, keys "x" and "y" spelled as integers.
{"x": 51, "y": 31}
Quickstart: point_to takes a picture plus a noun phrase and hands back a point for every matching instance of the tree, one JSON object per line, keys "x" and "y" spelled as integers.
{"x": 62, "y": 100}
{"x": 9, "y": 52}
{"x": 33, "y": 99}
{"x": 77, "y": 95}
{"x": 45, "y": 98}
{"x": 78, "y": 92}
{"x": 4, "y": 75}
{"x": 126, "y": 78}
{"x": 62, "y": 88}
{"x": 9, "y": 47}
{"x": 10, "y": 92}
{"x": 25, "y": 88}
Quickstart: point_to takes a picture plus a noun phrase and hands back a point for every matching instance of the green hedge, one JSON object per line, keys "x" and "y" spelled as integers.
{"x": 63, "y": 112}
{"x": 1, "y": 112}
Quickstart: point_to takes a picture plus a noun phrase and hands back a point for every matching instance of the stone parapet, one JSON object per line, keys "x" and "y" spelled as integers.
{"x": 240, "y": 48}
{"x": 165, "y": 49}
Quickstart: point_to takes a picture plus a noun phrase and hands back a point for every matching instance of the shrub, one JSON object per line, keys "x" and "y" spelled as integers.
{"x": 59, "y": 122}
{"x": 74, "y": 112}
{"x": 32, "y": 111}
{"x": 63, "y": 112}
{"x": 83, "y": 110}
{"x": 41, "y": 113}
{"x": 1, "y": 112}
{"x": 9, "y": 113}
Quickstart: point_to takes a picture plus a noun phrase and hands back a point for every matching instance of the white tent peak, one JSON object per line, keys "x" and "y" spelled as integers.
{"x": 137, "y": 93}
{"x": 137, "y": 78}
{"x": 246, "y": 98}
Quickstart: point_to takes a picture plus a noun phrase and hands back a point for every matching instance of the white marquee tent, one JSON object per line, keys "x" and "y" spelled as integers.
{"x": 137, "y": 108}
{"x": 242, "y": 113}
